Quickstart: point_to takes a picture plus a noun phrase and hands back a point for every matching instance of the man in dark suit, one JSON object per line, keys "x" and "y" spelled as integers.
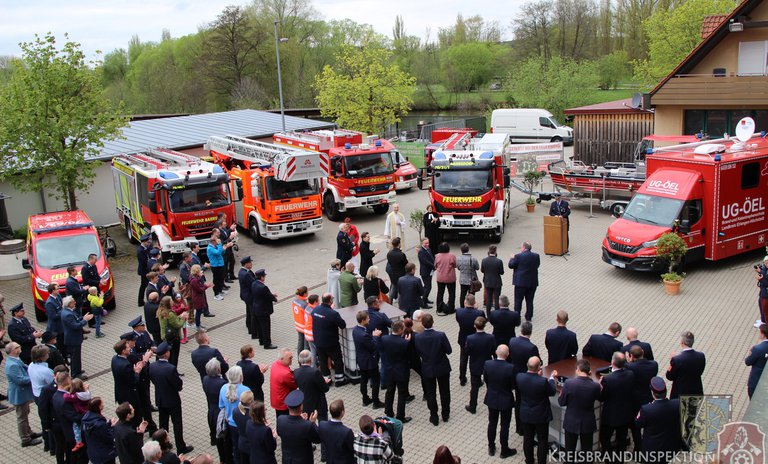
{"x": 561, "y": 343}
{"x": 262, "y": 301}
{"x": 535, "y": 410}
{"x": 685, "y": 369}
{"x": 525, "y": 278}
{"x": 73, "y": 335}
{"x": 579, "y": 395}
{"x": 644, "y": 370}
{"x": 326, "y": 323}
{"x": 426, "y": 270}
{"x": 378, "y": 320}
{"x": 150, "y": 315}
{"x": 168, "y": 384}
{"x": 367, "y": 357}
{"x": 76, "y": 290}
{"x": 344, "y": 245}
{"x": 499, "y": 397}
{"x": 660, "y": 421}
{"x": 20, "y": 330}
{"x": 337, "y": 438}
{"x": 126, "y": 374}
{"x": 602, "y": 346}
{"x": 481, "y": 347}
{"x": 204, "y": 353}
{"x": 466, "y": 318}
{"x": 128, "y": 437}
{"x": 314, "y": 386}
{"x": 90, "y": 278}
{"x": 154, "y": 285}
{"x": 297, "y": 433}
{"x": 394, "y": 354}
{"x": 433, "y": 347}
{"x": 492, "y": 268}
{"x": 633, "y": 341}
{"x": 63, "y": 415}
{"x": 142, "y": 256}
{"x": 55, "y": 358}
{"x": 618, "y": 413}
{"x": 504, "y": 321}
{"x": 245, "y": 278}
{"x": 396, "y": 262}
{"x": 561, "y": 208}
{"x": 756, "y": 357}
{"x": 410, "y": 291}
{"x": 521, "y": 349}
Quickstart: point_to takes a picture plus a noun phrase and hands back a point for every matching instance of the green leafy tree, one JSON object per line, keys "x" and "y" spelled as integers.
{"x": 612, "y": 69}
{"x": 54, "y": 118}
{"x": 363, "y": 91}
{"x": 467, "y": 66}
{"x": 672, "y": 34}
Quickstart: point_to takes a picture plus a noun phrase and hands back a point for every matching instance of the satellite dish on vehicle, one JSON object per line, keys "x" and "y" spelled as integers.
{"x": 745, "y": 129}
{"x": 637, "y": 100}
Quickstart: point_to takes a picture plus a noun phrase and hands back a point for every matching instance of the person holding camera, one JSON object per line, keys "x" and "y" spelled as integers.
{"x": 761, "y": 271}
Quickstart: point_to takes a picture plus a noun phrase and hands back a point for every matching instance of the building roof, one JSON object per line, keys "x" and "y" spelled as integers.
{"x": 192, "y": 131}
{"x": 706, "y": 45}
{"x": 710, "y": 23}
{"x": 623, "y": 106}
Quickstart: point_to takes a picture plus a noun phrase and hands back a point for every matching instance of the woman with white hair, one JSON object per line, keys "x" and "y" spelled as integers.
{"x": 212, "y": 384}
{"x": 333, "y": 279}
{"x": 229, "y": 398}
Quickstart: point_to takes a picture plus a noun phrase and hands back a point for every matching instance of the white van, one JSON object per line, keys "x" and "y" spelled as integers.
{"x": 529, "y": 125}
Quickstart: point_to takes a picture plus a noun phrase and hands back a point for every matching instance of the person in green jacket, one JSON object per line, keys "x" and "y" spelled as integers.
{"x": 349, "y": 286}
{"x": 170, "y": 327}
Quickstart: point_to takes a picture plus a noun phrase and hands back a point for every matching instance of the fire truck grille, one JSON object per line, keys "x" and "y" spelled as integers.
{"x": 409, "y": 176}
{"x": 629, "y": 249}
{"x": 295, "y": 216}
{"x": 484, "y": 208}
{"x": 371, "y": 189}
{"x": 203, "y": 229}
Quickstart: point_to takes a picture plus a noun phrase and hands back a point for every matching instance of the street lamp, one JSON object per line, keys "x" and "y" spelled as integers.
{"x": 279, "y": 76}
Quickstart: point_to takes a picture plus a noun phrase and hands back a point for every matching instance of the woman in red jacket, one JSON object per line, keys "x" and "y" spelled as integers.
{"x": 197, "y": 288}
{"x": 445, "y": 275}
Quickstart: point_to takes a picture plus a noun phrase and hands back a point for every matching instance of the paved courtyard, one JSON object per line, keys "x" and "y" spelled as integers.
{"x": 717, "y": 303}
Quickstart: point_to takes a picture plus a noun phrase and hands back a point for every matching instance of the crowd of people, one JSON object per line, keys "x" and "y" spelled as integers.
{"x": 623, "y": 377}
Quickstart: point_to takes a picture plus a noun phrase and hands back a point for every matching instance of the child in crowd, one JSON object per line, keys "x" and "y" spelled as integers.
{"x": 79, "y": 395}
{"x": 96, "y": 301}
{"x": 180, "y": 306}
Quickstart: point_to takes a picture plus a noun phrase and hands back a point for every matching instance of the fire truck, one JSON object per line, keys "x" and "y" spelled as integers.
{"x": 175, "y": 196}
{"x": 56, "y": 241}
{"x": 470, "y": 185}
{"x": 361, "y": 172}
{"x": 278, "y": 185}
{"x": 712, "y": 193}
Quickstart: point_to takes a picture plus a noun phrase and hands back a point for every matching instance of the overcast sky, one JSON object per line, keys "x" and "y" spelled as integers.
{"x": 108, "y": 24}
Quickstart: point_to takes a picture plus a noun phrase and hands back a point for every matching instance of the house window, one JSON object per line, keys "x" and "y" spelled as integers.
{"x": 752, "y": 58}
{"x": 715, "y": 123}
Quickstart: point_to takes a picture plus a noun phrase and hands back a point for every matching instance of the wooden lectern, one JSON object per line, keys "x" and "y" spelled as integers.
{"x": 555, "y": 235}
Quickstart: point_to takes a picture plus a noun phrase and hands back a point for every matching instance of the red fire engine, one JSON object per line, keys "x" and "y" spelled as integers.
{"x": 362, "y": 174}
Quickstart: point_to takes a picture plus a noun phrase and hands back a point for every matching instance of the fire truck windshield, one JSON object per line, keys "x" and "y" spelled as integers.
{"x": 279, "y": 190}
{"x": 57, "y": 252}
{"x": 369, "y": 164}
{"x": 650, "y": 209}
{"x": 199, "y": 197}
{"x": 462, "y": 181}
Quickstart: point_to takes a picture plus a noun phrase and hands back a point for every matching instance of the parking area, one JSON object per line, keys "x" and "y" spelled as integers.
{"x": 717, "y": 302}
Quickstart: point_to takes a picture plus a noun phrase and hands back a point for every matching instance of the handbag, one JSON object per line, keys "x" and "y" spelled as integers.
{"x": 475, "y": 285}
{"x": 221, "y": 423}
{"x": 383, "y": 297}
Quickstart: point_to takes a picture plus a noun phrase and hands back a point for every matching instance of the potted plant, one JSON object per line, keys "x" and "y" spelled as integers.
{"x": 671, "y": 248}
{"x": 531, "y": 180}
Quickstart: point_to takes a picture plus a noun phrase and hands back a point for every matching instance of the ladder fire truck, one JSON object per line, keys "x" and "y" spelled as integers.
{"x": 361, "y": 174}
{"x": 279, "y": 186}
{"x": 175, "y": 196}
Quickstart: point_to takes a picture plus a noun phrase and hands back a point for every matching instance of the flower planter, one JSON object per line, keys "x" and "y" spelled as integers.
{"x": 672, "y": 287}
{"x": 530, "y": 207}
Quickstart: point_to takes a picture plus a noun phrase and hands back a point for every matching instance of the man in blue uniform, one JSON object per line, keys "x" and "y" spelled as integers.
{"x": 685, "y": 369}
{"x": 326, "y": 323}
{"x": 296, "y": 433}
{"x": 617, "y": 414}
{"x": 142, "y": 256}
{"x": 433, "y": 348}
{"x": 660, "y": 421}
{"x": 262, "y": 307}
{"x": 535, "y": 409}
{"x": 504, "y": 321}
{"x": 245, "y": 278}
{"x": 602, "y": 346}
{"x": 756, "y": 357}
{"x": 579, "y": 395}
{"x": 561, "y": 343}
{"x": 426, "y": 270}
{"x": 525, "y": 278}
{"x": 394, "y": 354}
{"x": 500, "y": 399}
{"x": 466, "y": 318}
{"x": 561, "y": 208}
{"x": 480, "y": 347}
{"x": 367, "y": 356}
{"x": 168, "y": 384}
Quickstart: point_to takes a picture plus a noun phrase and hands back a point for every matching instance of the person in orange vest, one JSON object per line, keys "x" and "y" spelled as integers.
{"x": 297, "y": 306}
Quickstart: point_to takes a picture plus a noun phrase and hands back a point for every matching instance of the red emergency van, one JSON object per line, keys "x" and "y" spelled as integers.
{"x": 714, "y": 194}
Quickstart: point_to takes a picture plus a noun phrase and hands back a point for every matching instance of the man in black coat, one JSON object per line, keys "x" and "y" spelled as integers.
{"x": 253, "y": 374}
{"x": 337, "y": 439}
{"x": 378, "y": 320}
{"x": 63, "y": 415}
{"x": 433, "y": 348}
{"x": 492, "y": 268}
{"x": 142, "y": 256}
{"x": 618, "y": 412}
{"x": 126, "y": 375}
{"x": 128, "y": 437}
{"x": 367, "y": 357}
{"x": 142, "y": 352}
{"x": 660, "y": 421}
{"x": 521, "y": 349}
{"x": 561, "y": 343}
{"x": 245, "y": 278}
{"x": 262, "y": 301}
{"x": 466, "y": 318}
{"x": 90, "y": 278}
{"x": 525, "y": 278}
{"x": 426, "y": 270}
{"x": 20, "y": 330}
{"x": 326, "y": 323}
{"x": 344, "y": 245}
{"x": 500, "y": 399}
{"x": 602, "y": 346}
{"x": 296, "y": 433}
{"x": 168, "y": 384}
{"x": 504, "y": 321}
{"x": 55, "y": 358}
{"x": 314, "y": 386}
{"x": 150, "y": 315}
{"x": 644, "y": 371}
{"x": 562, "y": 209}
{"x": 410, "y": 291}
{"x": 756, "y": 358}
{"x": 685, "y": 369}
{"x": 535, "y": 410}
{"x": 394, "y": 354}
{"x": 396, "y": 262}
{"x": 633, "y": 341}
{"x": 579, "y": 395}
{"x": 76, "y": 290}
{"x": 481, "y": 347}
{"x": 204, "y": 353}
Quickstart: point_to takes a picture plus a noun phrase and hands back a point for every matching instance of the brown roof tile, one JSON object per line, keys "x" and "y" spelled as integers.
{"x": 710, "y": 23}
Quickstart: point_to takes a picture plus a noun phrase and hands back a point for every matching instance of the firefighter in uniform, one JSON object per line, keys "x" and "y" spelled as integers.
{"x": 143, "y": 343}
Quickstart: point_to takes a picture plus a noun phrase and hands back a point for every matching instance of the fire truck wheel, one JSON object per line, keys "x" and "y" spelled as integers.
{"x": 131, "y": 238}
{"x": 381, "y": 209}
{"x": 331, "y": 208}
{"x": 496, "y": 237}
{"x": 111, "y": 304}
{"x": 254, "y": 229}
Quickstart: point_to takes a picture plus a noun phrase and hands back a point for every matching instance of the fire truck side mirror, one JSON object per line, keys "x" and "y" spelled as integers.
{"x": 25, "y": 264}
{"x": 684, "y": 227}
{"x": 506, "y": 177}
{"x": 335, "y": 165}
{"x": 238, "y": 190}
{"x": 153, "y": 202}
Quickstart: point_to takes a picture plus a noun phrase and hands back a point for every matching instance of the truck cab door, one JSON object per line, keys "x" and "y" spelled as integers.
{"x": 690, "y": 224}
{"x": 237, "y": 196}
